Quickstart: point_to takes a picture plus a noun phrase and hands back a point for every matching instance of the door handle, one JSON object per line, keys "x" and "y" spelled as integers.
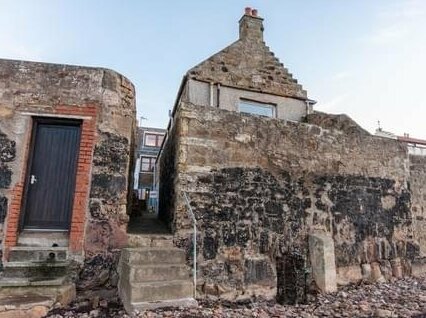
{"x": 33, "y": 179}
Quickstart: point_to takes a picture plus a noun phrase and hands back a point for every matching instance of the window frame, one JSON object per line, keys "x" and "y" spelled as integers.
{"x": 151, "y": 164}
{"x": 255, "y": 103}
{"x": 158, "y": 139}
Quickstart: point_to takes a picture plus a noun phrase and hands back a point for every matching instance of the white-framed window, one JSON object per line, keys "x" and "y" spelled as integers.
{"x": 153, "y": 140}
{"x": 147, "y": 164}
{"x": 256, "y": 108}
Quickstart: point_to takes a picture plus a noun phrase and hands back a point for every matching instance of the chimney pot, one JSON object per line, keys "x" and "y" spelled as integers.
{"x": 251, "y": 26}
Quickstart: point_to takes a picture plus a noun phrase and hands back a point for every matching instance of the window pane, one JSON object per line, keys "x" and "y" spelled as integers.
{"x": 147, "y": 164}
{"x": 150, "y": 140}
{"x": 159, "y": 140}
{"x": 144, "y": 167}
{"x": 259, "y": 109}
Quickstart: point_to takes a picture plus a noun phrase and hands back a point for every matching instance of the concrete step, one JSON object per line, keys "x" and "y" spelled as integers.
{"x": 149, "y": 305}
{"x": 30, "y": 253}
{"x": 158, "y": 291}
{"x": 152, "y": 273}
{"x": 27, "y": 305}
{"x": 150, "y": 240}
{"x": 31, "y": 282}
{"x": 158, "y": 255}
{"x": 35, "y": 270}
{"x": 43, "y": 238}
{"x": 34, "y": 301}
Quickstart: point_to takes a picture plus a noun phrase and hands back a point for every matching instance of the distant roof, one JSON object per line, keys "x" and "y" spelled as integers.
{"x": 410, "y": 140}
{"x": 162, "y": 130}
{"x": 249, "y": 64}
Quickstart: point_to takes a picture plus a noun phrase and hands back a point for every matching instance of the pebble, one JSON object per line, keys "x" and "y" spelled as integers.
{"x": 403, "y": 298}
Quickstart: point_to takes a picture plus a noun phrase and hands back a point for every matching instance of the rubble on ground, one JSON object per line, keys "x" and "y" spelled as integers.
{"x": 400, "y": 298}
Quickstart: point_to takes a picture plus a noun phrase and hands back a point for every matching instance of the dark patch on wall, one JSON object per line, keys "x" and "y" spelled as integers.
{"x": 3, "y": 208}
{"x": 5, "y": 176}
{"x": 95, "y": 209}
{"x": 241, "y": 210}
{"x": 256, "y": 211}
{"x": 357, "y": 200}
{"x": 7, "y": 149}
{"x": 291, "y": 279}
{"x": 99, "y": 273}
{"x": 106, "y": 187}
{"x": 112, "y": 153}
{"x": 209, "y": 245}
{"x": 7, "y": 155}
{"x": 259, "y": 272}
{"x": 167, "y": 193}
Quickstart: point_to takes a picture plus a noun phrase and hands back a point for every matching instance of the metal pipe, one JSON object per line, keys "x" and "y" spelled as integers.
{"x": 218, "y": 95}
{"x": 211, "y": 94}
{"x": 194, "y": 221}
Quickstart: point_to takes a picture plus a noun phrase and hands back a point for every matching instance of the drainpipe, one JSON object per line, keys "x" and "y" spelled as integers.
{"x": 218, "y": 95}
{"x": 309, "y": 106}
{"x": 154, "y": 188}
{"x": 211, "y": 94}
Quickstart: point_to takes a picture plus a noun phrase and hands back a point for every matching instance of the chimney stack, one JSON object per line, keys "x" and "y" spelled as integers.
{"x": 251, "y": 26}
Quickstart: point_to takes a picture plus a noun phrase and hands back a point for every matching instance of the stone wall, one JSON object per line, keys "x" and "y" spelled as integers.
{"x": 7, "y": 156}
{"x": 105, "y": 102}
{"x": 259, "y": 186}
{"x": 417, "y": 187}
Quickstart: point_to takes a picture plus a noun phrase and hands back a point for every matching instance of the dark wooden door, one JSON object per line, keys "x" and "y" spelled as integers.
{"x": 51, "y": 176}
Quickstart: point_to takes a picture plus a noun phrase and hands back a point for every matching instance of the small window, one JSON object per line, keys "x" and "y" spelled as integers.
{"x": 256, "y": 108}
{"x": 147, "y": 164}
{"x": 153, "y": 140}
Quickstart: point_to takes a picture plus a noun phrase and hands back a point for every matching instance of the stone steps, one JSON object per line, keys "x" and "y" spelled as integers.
{"x": 153, "y": 276}
{"x": 35, "y": 278}
{"x": 153, "y": 255}
{"x": 152, "y": 273}
{"x": 30, "y": 266}
{"x": 27, "y": 254}
{"x": 38, "y": 270}
{"x": 158, "y": 240}
{"x": 35, "y": 301}
{"x": 157, "y": 291}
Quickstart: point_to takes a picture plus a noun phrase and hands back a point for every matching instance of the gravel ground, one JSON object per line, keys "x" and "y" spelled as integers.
{"x": 401, "y": 298}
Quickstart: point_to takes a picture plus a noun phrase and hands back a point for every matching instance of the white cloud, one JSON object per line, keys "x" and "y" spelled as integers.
{"x": 395, "y": 22}
{"x": 389, "y": 34}
{"x": 403, "y": 10}
{"x": 341, "y": 76}
{"x": 336, "y": 103}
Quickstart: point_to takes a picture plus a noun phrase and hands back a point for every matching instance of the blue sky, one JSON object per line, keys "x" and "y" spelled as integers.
{"x": 363, "y": 58}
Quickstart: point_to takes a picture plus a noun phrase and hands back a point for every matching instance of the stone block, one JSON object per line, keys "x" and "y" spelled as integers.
{"x": 366, "y": 271}
{"x": 418, "y": 268}
{"x": 321, "y": 252}
{"x": 376, "y": 273}
{"x": 349, "y": 274}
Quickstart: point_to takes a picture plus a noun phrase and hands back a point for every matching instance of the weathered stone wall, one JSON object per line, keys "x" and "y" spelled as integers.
{"x": 37, "y": 89}
{"x": 168, "y": 176}
{"x": 418, "y": 190}
{"x": 259, "y": 186}
{"x": 7, "y": 157}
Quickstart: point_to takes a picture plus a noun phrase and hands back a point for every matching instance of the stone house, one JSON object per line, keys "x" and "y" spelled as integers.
{"x": 285, "y": 198}
{"x": 148, "y": 145}
{"x": 66, "y": 143}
